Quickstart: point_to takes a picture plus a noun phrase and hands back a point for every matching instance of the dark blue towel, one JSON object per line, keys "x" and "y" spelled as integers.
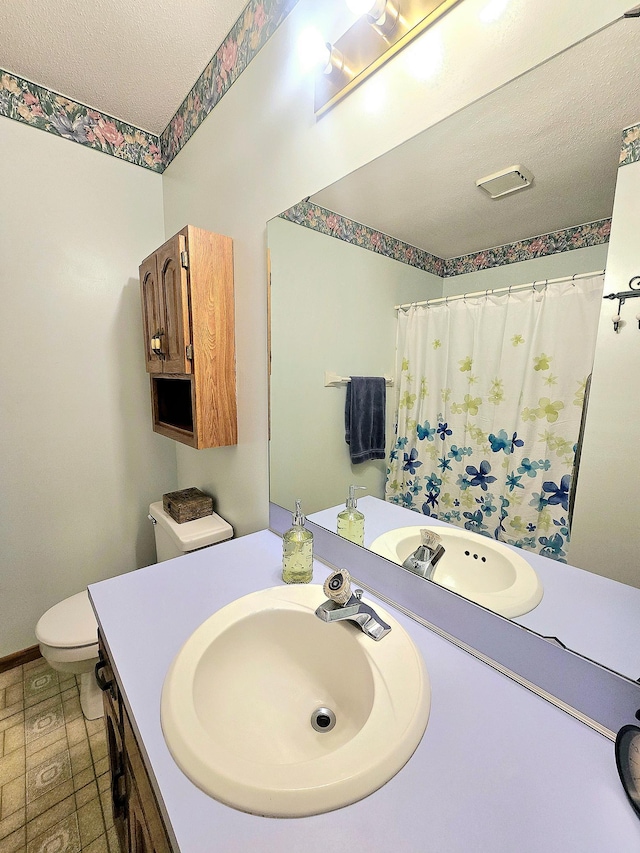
{"x": 364, "y": 418}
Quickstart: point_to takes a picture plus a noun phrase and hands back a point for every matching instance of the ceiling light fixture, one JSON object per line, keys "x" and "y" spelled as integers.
{"x": 383, "y": 28}
{"x": 382, "y": 14}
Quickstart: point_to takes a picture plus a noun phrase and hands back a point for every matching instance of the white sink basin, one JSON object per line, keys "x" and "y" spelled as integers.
{"x": 238, "y": 700}
{"x": 480, "y": 569}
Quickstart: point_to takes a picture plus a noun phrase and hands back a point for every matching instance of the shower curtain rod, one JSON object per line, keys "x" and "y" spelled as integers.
{"x": 491, "y": 291}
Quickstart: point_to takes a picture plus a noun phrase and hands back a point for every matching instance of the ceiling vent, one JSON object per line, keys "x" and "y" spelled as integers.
{"x": 507, "y": 181}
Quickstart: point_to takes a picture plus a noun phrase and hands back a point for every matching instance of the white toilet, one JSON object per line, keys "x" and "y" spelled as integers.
{"x": 68, "y": 631}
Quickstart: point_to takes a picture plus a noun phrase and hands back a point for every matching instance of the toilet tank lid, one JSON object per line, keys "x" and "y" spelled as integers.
{"x": 69, "y": 624}
{"x": 192, "y": 534}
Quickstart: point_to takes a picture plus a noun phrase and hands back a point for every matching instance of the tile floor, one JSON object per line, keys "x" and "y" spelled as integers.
{"x": 54, "y": 769}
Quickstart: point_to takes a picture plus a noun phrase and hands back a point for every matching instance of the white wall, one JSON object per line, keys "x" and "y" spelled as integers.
{"x": 587, "y": 259}
{"x": 261, "y": 150}
{"x": 606, "y": 534}
{"x": 332, "y": 308}
{"x": 79, "y": 460}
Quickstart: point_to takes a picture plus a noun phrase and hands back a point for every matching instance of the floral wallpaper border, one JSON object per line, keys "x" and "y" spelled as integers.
{"x": 258, "y": 22}
{"x": 40, "y": 107}
{"x": 44, "y": 109}
{"x": 630, "y": 152}
{"x": 334, "y": 225}
{"x": 578, "y": 237}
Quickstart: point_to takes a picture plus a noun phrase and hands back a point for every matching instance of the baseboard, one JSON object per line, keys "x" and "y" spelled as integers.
{"x": 19, "y": 658}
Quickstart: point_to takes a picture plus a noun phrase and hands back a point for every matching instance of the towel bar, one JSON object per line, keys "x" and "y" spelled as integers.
{"x": 333, "y": 380}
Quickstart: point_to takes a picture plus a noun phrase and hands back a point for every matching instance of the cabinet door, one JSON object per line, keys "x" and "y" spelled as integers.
{"x": 139, "y": 838}
{"x": 151, "y": 313}
{"x": 174, "y": 295}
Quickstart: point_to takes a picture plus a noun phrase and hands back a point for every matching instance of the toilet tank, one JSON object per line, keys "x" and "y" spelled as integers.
{"x": 174, "y": 540}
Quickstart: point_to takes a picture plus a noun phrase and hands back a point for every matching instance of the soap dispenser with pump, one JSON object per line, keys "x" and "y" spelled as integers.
{"x": 351, "y": 520}
{"x": 297, "y": 550}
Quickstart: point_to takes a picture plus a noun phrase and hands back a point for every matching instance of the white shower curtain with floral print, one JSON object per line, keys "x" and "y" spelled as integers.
{"x": 490, "y": 396}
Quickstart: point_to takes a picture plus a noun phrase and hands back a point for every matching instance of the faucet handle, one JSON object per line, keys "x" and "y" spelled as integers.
{"x": 337, "y": 586}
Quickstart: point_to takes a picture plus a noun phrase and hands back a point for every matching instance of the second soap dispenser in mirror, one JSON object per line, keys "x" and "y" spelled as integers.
{"x": 351, "y": 520}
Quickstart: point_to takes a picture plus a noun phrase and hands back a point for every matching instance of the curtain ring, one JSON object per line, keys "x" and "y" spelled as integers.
{"x": 546, "y": 283}
{"x": 509, "y": 292}
{"x": 534, "y": 286}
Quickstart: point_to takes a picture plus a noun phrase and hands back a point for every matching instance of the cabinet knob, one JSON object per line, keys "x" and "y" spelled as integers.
{"x": 156, "y": 344}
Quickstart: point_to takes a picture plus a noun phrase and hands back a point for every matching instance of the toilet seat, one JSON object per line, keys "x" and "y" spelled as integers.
{"x": 70, "y": 624}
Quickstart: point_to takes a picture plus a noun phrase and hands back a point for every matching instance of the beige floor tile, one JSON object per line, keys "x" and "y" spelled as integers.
{"x": 39, "y": 680}
{"x": 90, "y": 822}
{"x": 114, "y": 844}
{"x": 10, "y": 676}
{"x": 63, "y": 837}
{"x": 12, "y": 823}
{"x": 50, "y": 818}
{"x": 87, "y": 793}
{"x": 54, "y": 749}
{"x": 12, "y": 765}
{"x": 13, "y": 695}
{"x": 1, "y": 744}
{"x": 14, "y": 796}
{"x": 71, "y": 708}
{"x": 3, "y": 698}
{"x": 104, "y": 782}
{"x": 83, "y": 778}
{"x": 101, "y": 766}
{"x": 98, "y": 744}
{"x": 98, "y": 846}
{"x": 70, "y": 693}
{"x": 44, "y": 718}
{"x": 48, "y": 800}
{"x": 8, "y": 722}
{"x": 13, "y": 739}
{"x": 36, "y": 698}
{"x": 95, "y": 726}
{"x": 40, "y": 743}
{"x": 55, "y": 770}
{"x": 76, "y": 732}
{"x": 34, "y": 664}
{"x": 107, "y": 808}
{"x": 14, "y": 843}
{"x": 10, "y": 710}
{"x": 80, "y": 757}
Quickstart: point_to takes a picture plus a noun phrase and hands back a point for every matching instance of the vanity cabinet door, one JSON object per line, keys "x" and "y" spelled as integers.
{"x": 139, "y": 838}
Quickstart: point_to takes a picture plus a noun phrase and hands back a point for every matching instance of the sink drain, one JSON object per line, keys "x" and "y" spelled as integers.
{"x": 323, "y": 719}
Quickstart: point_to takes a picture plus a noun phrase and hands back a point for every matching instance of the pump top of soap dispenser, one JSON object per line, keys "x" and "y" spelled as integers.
{"x": 298, "y": 518}
{"x": 352, "y": 501}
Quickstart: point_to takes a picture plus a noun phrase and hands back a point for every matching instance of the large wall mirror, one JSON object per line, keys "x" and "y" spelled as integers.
{"x": 341, "y": 261}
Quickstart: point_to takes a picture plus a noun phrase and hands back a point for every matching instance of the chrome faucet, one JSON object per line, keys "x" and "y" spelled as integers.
{"x": 343, "y": 605}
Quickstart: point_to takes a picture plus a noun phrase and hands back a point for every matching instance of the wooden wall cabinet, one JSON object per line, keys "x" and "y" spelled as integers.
{"x": 136, "y": 813}
{"x": 189, "y": 338}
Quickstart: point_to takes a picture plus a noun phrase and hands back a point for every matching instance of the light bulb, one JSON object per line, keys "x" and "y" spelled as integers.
{"x": 313, "y": 51}
{"x": 362, "y": 7}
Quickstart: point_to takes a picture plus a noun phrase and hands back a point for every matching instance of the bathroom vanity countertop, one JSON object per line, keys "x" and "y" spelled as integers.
{"x": 589, "y": 613}
{"x": 498, "y": 769}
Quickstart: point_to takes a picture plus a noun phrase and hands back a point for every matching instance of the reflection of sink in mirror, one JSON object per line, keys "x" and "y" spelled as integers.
{"x": 239, "y": 701}
{"x": 482, "y": 570}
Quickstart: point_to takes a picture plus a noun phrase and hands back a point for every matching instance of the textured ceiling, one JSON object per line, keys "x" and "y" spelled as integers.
{"x": 563, "y": 121}
{"x": 134, "y": 61}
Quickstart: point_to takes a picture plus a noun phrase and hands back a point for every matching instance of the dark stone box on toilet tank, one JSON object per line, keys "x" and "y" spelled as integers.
{"x": 187, "y": 505}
